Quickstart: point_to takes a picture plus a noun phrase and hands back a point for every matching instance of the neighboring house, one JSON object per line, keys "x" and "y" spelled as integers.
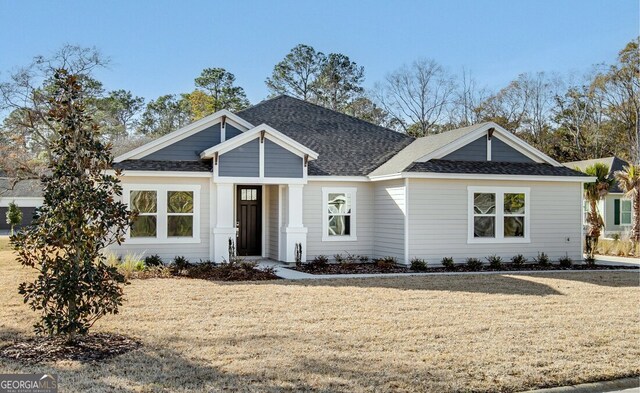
{"x": 616, "y": 210}
{"x": 286, "y": 171}
{"x": 27, "y": 194}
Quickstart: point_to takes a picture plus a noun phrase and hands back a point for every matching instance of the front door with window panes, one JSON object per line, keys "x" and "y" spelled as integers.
{"x": 249, "y": 220}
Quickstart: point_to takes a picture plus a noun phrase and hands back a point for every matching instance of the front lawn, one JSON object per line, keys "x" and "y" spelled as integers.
{"x": 449, "y": 333}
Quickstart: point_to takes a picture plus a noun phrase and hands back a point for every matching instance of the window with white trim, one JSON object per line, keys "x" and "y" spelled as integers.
{"x": 339, "y": 214}
{"x": 625, "y": 212}
{"x": 164, "y": 212}
{"x": 498, "y": 215}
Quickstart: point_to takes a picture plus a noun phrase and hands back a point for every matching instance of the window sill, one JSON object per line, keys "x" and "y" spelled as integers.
{"x": 499, "y": 241}
{"x": 339, "y": 238}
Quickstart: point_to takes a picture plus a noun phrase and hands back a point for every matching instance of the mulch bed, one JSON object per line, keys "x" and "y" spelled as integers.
{"x": 89, "y": 348}
{"x": 372, "y": 268}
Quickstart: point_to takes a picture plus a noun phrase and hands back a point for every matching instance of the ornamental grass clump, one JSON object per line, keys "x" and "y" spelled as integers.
{"x": 79, "y": 218}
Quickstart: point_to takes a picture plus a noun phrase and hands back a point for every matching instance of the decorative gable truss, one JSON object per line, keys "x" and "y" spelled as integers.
{"x": 261, "y": 155}
{"x": 490, "y": 143}
{"x": 188, "y": 142}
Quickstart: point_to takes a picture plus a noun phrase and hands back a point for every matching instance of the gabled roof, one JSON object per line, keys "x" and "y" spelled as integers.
{"x": 346, "y": 146}
{"x": 614, "y": 163}
{"x": 433, "y": 147}
{"x": 253, "y": 133}
{"x": 182, "y": 133}
{"x": 421, "y": 147}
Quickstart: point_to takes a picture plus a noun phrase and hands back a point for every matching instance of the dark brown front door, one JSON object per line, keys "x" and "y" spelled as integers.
{"x": 249, "y": 220}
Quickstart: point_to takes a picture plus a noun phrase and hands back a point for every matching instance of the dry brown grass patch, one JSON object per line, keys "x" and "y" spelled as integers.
{"x": 449, "y": 333}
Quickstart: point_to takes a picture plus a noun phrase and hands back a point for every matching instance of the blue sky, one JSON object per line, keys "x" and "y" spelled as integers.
{"x": 158, "y": 47}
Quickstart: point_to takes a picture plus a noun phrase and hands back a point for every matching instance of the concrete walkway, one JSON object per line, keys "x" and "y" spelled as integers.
{"x": 619, "y": 261}
{"x": 283, "y": 272}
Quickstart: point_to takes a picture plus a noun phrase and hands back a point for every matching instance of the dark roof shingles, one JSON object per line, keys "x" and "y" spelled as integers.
{"x": 492, "y": 168}
{"x": 151, "y": 165}
{"x": 347, "y": 146}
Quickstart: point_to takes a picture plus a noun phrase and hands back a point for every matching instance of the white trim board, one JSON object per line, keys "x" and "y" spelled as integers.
{"x": 185, "y": 132}
{"x": 21, "y": 202}
{"x": 271, "y": 134}
{"x": 470, "y": 176}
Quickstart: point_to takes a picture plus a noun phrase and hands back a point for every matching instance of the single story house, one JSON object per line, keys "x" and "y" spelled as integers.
{"x": 287, "y": 172}
{"x": 27, "y": 194}
{"x": 616, "y": 210}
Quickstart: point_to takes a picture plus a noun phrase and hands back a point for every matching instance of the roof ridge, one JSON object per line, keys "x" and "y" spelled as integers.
{"x": 300, "y": 100}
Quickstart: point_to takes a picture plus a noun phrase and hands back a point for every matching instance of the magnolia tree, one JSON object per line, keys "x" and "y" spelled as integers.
{"x": 79, "y": 218}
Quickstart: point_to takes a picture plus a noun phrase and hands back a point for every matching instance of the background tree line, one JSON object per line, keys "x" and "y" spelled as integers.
{"x": 570, "y": 117}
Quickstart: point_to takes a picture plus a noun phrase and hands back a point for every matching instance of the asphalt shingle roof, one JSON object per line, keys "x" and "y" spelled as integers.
{"x": 151, "y": 165}
{"x": 23, "y": 188}
{"x": 346, "y": 146}
{"x": 492, "y": 168}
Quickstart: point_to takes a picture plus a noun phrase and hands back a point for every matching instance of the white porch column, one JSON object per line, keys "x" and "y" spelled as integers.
{"x": 295, "y": 232}
{"x": 225, "y": 227}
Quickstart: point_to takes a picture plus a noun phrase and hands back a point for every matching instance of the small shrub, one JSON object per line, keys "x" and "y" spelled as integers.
{"x": 565, "y": 261}
{"x": 495, "y": 262}
{"x": 542, "y": 259}
{"x": 474, "y": 264}
{"x": 518, "y": 260}
{"x": 386, "y": 263}
{"x": 363, "y": 258}
{"x": 616, "y": 236}
{"x": 338, "y": 258}
{"x": 447, "y": 262}
{"x": 153, "y": 260}
{"x": 319, "y": 262}
{"x": 180, "y": 263}
{"x": 590, "y": 261}
{"x": 418, "y": 265}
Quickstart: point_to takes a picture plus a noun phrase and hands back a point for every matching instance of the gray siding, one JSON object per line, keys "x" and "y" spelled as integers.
{"x": 167, "y": 250}
{"x": 243, "y": 161}
{"x": 438, "y": 221}
{"x": 279, "y": 162}
{"x": 189, "y": 148}
{"x": 390, "y": 208}
{"x": 312, "y": 219}
{"x": 230, "y": 131}
{"x": 502, "y": 152}
{"x": 473, "y": 151}
{"x": 273, "y": 228}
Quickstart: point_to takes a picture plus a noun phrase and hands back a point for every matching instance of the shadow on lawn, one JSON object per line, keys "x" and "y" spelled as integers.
{"x": 489, "y": 284}
{"x": 603, "y": 279}
{"x": 154, "y": 369}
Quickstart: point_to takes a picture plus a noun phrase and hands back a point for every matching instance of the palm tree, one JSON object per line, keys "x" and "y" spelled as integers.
{"x": 593, "y": 193}
{"x": 629, "y": 181}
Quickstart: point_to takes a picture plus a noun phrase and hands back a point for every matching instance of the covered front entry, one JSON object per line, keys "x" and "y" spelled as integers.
{"x": 249, "y": 220}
